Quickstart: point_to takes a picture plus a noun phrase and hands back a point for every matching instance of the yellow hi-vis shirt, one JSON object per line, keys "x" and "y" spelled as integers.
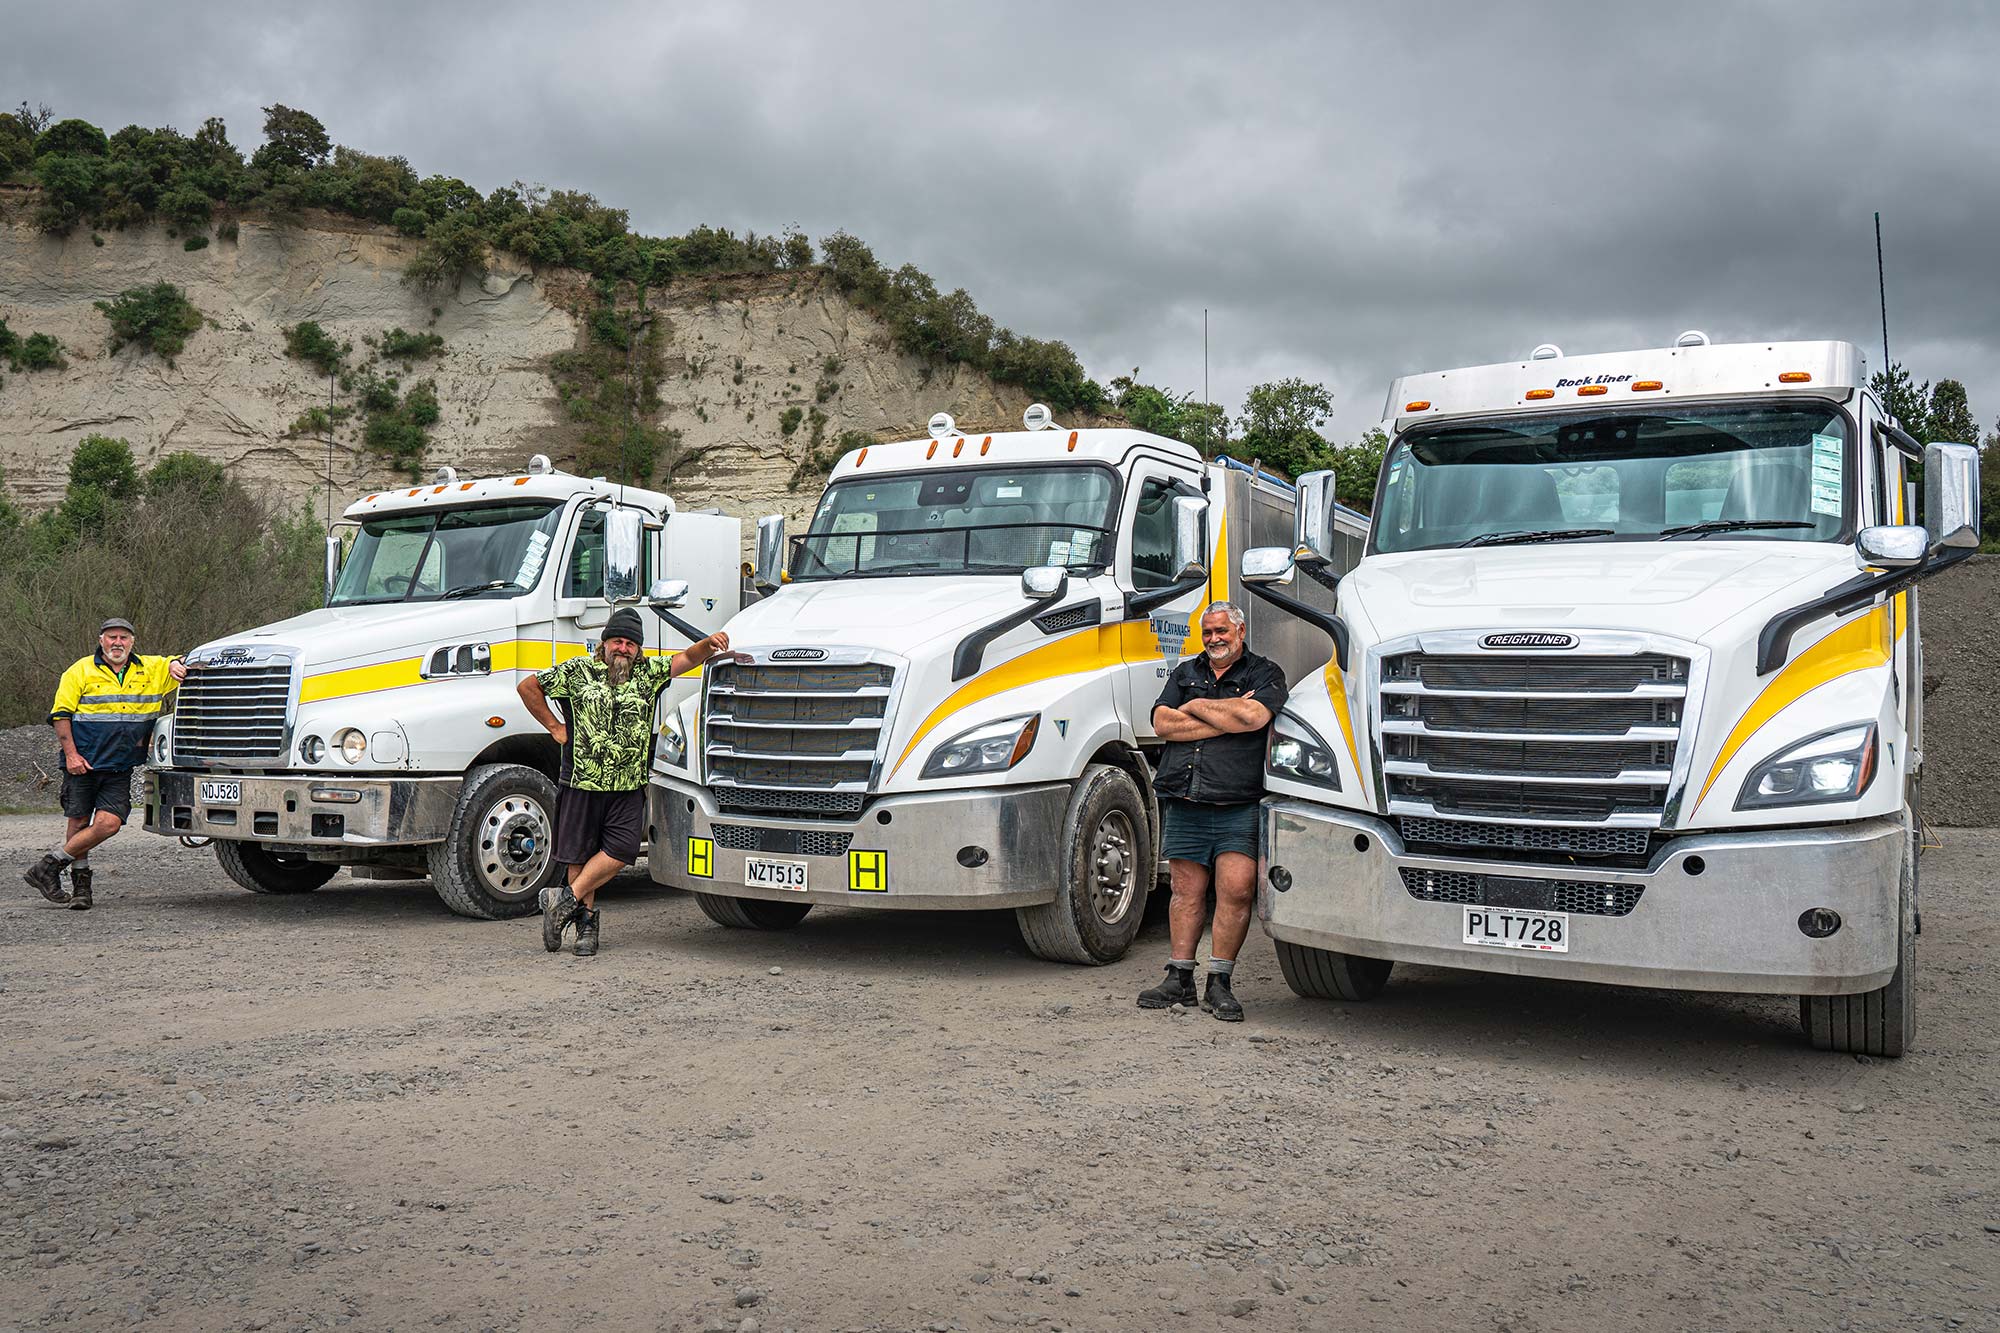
{"x": 110, "y": 714}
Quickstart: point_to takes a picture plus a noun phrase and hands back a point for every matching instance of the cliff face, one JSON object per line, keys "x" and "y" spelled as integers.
{"x": 739, "y": 351}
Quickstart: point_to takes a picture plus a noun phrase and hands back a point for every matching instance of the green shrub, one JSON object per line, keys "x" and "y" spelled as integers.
{"x": 410, "y": 221}
{"x": 227, "y": 231}
{"x": 159, "y": 318}
{"x": 451, "y": 248}
{"x": 307, "y": 341}
{"x": 39, "y": 351}
{"x": 186, "y": 474}
{"x": 195, "y": 243}
{"x": 72, "y": 137}
{"x": 789, "y": 419}
{"x": 408, "y": 347}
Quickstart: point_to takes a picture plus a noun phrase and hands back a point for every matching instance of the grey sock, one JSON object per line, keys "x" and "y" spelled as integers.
{"x": 63, "y": 856}
{"x": 1221, "y": 967}
{"x": 1181, "y": 964}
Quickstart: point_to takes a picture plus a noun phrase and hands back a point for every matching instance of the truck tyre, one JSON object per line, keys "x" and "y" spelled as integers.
{"x": 262, "y": 870}
{"x": 1321, "y": 974}
{"x": 1877, "y": 1022}
{"x": 500, "y": 850}
{"x": 1108, "y": 853}
{"x": 751, "y": 913}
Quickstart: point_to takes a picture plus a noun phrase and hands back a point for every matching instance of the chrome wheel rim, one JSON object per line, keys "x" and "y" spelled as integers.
{"x": 516, "y": 840}
{"x": 1113, "y": 867}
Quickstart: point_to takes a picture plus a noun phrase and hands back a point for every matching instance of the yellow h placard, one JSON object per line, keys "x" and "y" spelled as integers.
{"x": 868, "y": 872}
{"x": 701, "y": 858}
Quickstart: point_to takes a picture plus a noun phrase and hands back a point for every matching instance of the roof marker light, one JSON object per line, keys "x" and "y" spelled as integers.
{"x": 1418, "y": 405}
{"x": 984, "y": 445}
{"x": 465, "y": 485}
{"x": 957, "y": 446}
{"x": 520, "y": 481}
{"x": 1546, "y": 352}
{"x": 437, "y": 490}
{"x": 1795, "y": 377}
{"x": 861, "y": 457}
{"x": 1072, "y": 442}
{"x": 1647, "y": 386}
{"x": 413, "y": 491}
{"x": 367, "y": 499}
{"x": 942, "y": 425}
{"x": 1536, "y": 395}
{"x": 932, "y": 451}
{"x": 1591, "y": 390}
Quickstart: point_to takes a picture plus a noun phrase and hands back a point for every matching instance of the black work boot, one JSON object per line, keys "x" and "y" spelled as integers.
{"x": 586, "y": 932}
{"x": 46, "y": 876}
{"x": 79, "y": 888}
{"x": 559, "y": 908}
{"x": 1178, "y": 988}
{"x": 1219, "y": 1000}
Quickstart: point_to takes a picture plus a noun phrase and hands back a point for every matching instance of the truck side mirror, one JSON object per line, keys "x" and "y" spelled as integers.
{"x": 333, "y": 554}
{"x": 1313, "y": 529}
{"x": 1269, "y": 566}
{"x": 1898, "y": 546}
{"x": 1190, "y": 538}
{"x": 770, "y": 551}
{"x": 1951, "y": 495}
{"x": 668, "y": 594}
{"x": 1040, "y": 582}
{"x": 624, "y": 538}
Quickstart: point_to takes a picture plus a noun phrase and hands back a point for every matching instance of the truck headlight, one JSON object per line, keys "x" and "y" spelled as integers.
{"x": 987, "y": 749}
{"x": 160, "y": 745}
{"x": 1835, "y": 765}
{"x": 311, "y": 750}
{"x": 352, "y": 743}
{"x": 672, "y": 747}
{"x": 1294, "y": 750}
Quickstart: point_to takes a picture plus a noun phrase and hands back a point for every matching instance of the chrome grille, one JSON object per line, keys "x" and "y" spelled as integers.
{"x": 234, "y": 712}
{"x": 1567, "y": 737}
{"x": 1583, "y": 897}
{"x": 801, "y": 738}
{"x": 1525, "y": 837}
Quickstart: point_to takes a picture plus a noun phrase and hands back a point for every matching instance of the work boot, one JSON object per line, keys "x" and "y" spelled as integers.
{"x": 586, "y": 932}
{"x": 559, "y": 908}
{"x": 46, "y": 876}
{"x": 79, "y": 888}
{"x": 1220, "y": 1000}
{"x": 1178, "y": 988}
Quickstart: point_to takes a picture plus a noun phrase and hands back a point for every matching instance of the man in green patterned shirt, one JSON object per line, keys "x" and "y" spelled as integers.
{"x": 607, "y": 741}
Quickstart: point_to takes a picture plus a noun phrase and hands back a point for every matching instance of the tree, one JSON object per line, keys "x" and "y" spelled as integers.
{"x": 1281, "y": 425}
{"x": 1355, "y": 467}
{"x": 77, "y": 137}
{"x": 1907, "y": 403}
{"x": 102, "y": 484}
{"x": 187, "y": 474}
{"x": 294, "y": 140}
{"x": 1949, "y": 416}
{"x": 36, "y": 120}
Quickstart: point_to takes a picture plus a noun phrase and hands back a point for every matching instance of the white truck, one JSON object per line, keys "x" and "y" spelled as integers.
{"x": 946, "y": 701}
{"x": 383, "y": 732}
{"x": 1628, "y": 688}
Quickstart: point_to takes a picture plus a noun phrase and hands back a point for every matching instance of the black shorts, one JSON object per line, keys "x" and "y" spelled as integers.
{"x": 106, "y": 789}
{"x": 1200, "y": 833}
{"x": 589, "y": 822}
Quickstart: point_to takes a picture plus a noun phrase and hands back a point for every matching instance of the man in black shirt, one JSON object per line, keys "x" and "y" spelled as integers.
{"x": 1212, "y": 714}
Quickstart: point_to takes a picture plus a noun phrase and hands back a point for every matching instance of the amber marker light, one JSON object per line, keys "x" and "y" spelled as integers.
{"x": 1420, "y": 405}
{"x": 520, "y": 481}
{"x": 862, "y": 457}
{"x": 1795, "y": 377}
{"x": 1537, "y": 395}
{"x": 957, "y": 448}
{"x": 930, "y": 452}
{"x": 467, "y": 485}
{"x": 1072, "y": 441}
{"x": 984, "y": 445}
{"x": 1591, "y": 390}
{"x": 496, "y": 721}
{"x": 1647, "y": 386}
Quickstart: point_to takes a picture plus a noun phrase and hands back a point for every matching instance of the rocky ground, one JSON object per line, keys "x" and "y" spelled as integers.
{"x": 352, "y": 1109}
{"x": 30, "y": 778}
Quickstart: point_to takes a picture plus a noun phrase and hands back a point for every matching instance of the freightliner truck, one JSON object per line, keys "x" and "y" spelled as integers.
{"x": 946, "y": 701}
{"x": 1627, "y": 687}
{"x": 383, "y": 732}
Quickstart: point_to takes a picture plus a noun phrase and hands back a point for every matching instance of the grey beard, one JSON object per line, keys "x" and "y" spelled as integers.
{"x": 617, "y": 670}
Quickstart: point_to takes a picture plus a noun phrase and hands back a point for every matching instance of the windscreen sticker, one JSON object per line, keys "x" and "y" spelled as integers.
{"x": 1058, "y": 553}
{"x": 531, "y": 559}
{"x": 1007, "y": 492}
{"x": 1826, "y": 456}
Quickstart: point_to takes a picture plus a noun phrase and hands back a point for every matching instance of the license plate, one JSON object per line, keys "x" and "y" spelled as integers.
{"x": 763, "y": 873}
{"x": 1515, "y": 928}
{"x": 220, "y": 793}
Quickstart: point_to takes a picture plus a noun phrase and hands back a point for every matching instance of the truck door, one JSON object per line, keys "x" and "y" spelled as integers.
{"x": 581, "y": 607}
{"x": 1153, "y": 647}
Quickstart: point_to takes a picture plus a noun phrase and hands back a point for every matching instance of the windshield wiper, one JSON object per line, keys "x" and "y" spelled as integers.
{"x": 478, "y": 587}
{"x": 1521, "y": 538}
{"x": 1733, "y": 525}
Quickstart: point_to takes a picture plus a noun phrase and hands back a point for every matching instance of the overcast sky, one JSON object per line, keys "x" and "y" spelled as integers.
{"x": 1353, "y": 192}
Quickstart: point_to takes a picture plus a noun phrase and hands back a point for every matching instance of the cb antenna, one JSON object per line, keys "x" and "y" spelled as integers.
{"x": 1882, "y": 290}
{"x": 329, "y": 453}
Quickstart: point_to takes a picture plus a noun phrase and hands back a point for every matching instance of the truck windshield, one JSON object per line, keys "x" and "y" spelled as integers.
{"x": 965, "y": 520}
{"x": 494, "y": 551}
{"x": 1758, "y": 472}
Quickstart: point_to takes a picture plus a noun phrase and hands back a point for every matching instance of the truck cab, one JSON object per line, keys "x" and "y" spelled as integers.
{"x": 1628, "y": 687}
{"x": 383, "y": 732}
{"x": 945, "y": 700}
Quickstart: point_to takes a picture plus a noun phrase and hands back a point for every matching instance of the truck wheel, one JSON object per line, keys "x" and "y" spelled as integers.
{"x": 1877, "y": 1022}
{"x": 261, "y": 870}
{"x": 751, "y": 913}
{"x": 500, "y": 851}
{"x": 1108, "y": 854}
{"x": 1322, "y": 974}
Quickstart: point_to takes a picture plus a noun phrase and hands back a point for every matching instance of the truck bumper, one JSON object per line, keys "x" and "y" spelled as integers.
{"x": 305, "y": 809}
{"x": 1715, "y": 912}
{"x": 904, "y": 852}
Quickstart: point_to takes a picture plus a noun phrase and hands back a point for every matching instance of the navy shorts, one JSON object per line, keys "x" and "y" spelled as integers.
{"x": 106, "y": 789}
{"x": 1197, "y": 832}
{"x": 589, "y": 822}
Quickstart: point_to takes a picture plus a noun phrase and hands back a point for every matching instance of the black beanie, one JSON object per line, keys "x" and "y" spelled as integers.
{"x": 625, "y": 624}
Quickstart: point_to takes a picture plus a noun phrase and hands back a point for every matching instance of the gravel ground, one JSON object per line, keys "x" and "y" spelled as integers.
{"x": 351, "y": 1109}
{"x": 30, "y": 775}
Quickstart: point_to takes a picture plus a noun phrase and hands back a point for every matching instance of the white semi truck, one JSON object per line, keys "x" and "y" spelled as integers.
{"x": 946, "y": 701}
{"x": 1628, "y": 687}
{"x": 383, "y": 732}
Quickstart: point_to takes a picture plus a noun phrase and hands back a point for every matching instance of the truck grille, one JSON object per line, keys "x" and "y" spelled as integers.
{"x": 794, "y": 738}
{"x": 233, "y": 712}
{"x": 1629, "y": 842}
{"x": 1578, "y": 739}
{"x": 1584, "y": 897}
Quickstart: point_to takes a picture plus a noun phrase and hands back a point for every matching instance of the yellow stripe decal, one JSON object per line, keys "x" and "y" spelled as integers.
{"x": 508, "y": 655}
{"x": 1084, "y": 650}
{"x": 1336, "y": 690}
{"x": 1855, "y": 646}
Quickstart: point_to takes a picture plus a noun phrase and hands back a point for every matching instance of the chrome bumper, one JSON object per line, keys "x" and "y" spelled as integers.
{"x": 904, "y": 851}
{"x": 385, "y": 812}
{"x": 1734, "y": 926}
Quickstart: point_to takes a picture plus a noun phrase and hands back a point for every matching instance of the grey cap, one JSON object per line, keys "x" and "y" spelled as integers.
{"x": 117, "y": 622}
